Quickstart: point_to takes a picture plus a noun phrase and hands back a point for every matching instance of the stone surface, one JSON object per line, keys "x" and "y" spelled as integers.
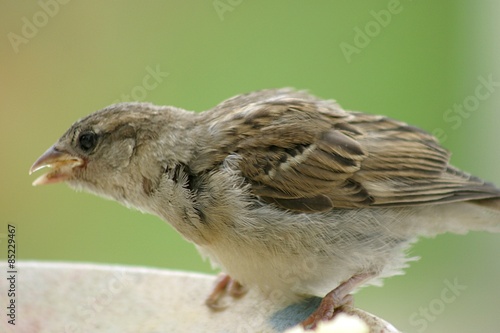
{"x": 74, "y": 298}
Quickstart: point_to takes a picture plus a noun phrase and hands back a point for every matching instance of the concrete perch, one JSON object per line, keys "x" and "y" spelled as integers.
{"x": 74, "y": 298}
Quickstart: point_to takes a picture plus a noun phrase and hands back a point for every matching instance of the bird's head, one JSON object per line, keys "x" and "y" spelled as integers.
{"x": 113, "y": 152}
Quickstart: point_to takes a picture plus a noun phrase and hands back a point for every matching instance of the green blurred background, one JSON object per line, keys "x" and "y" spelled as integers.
{"x": 63, "y": 60}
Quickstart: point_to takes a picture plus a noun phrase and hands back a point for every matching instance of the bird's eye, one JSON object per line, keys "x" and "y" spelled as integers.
{"x": 87, "y": 141}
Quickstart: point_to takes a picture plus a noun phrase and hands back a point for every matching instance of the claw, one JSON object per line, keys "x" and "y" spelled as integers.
{"x": 334, "y": 301}
{"x": 224, "y": 284}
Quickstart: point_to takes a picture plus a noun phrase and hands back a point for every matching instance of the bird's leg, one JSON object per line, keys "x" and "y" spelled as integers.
{"x": 224, "y": 284}
{"x": 235, "y": 289}
{"x": 335, "y": 300}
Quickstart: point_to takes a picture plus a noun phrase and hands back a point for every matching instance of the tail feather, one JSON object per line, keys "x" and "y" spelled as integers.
{"x": 492, "y": 204}
{"x": 491, "y": 211}
{"x": 460, "y": 217}
{"x": 482, "y": 215}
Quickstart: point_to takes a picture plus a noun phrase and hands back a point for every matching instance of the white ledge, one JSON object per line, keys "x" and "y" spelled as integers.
{"x": 73, "y": 298}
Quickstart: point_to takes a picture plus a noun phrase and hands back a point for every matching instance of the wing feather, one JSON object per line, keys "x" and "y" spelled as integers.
{"x": 304, "y": 154}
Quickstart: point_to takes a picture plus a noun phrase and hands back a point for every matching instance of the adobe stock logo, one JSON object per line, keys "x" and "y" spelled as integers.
{"x": 223, "y": 6}
{"x": 371, "y": 29}
{"x": 152, "y": 80}
{"x": 31, "y": 27}
{"x": 464, "y": 109}
{"x": 428, "y": 314}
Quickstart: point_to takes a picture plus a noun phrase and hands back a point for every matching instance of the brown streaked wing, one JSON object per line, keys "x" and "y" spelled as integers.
{"x": 304, "y": 154}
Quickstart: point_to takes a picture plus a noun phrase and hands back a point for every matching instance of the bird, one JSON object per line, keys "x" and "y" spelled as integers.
{"x": 282, "y": 190}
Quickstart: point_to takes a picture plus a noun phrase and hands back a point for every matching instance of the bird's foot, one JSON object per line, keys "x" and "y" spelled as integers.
{"x": 224, "y": 285}
{"x": 334, "y": 301}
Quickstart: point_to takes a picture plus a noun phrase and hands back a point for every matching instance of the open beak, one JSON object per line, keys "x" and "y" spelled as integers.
{"x": 62, "y": 165}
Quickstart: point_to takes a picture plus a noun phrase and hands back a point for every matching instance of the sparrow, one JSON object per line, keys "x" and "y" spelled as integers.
{"x": 284, "y": 191}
